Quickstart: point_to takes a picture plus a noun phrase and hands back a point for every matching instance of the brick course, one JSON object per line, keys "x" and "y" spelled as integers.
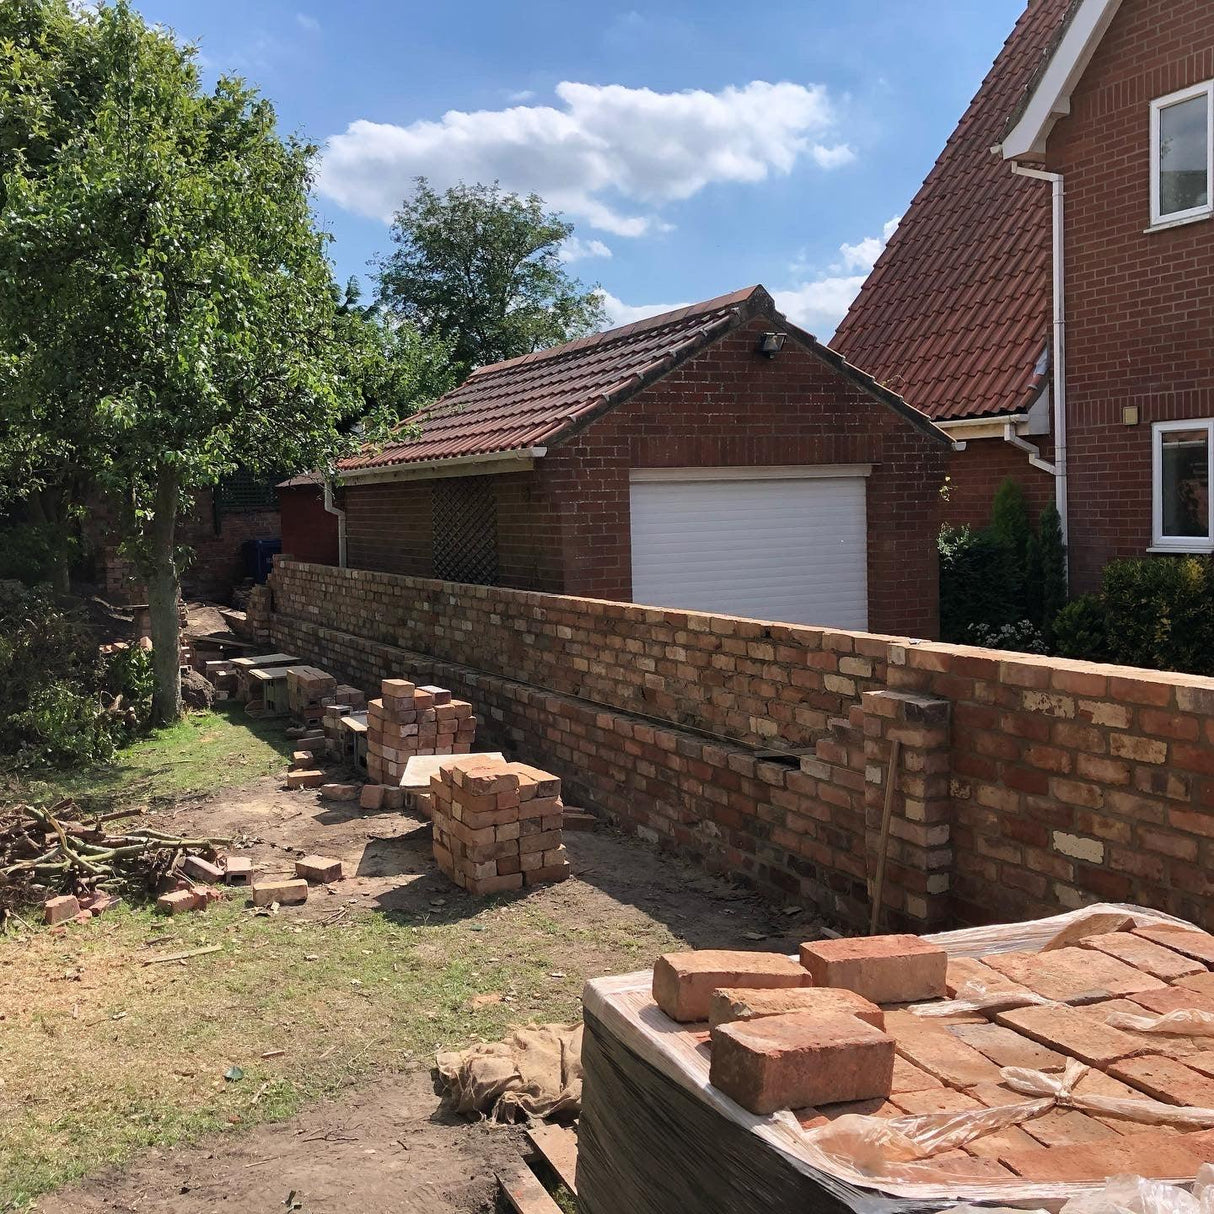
{"x": 1026, "y": 785}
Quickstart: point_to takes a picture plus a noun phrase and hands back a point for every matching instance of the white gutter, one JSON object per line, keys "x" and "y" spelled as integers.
{"x": 472, "y": 465}
{"x": 341, "y": 523}
{"x": 1059, "y": 378}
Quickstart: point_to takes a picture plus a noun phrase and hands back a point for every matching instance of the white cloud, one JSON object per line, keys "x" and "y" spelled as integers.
{"x": 521, "y": 95}
{"x": 820, "y": 303}
{"x": 577, "y": 249}
{"x": 610, "y": 156}
{"x": 308, "y": 22}
{"x": 620, "y": 313}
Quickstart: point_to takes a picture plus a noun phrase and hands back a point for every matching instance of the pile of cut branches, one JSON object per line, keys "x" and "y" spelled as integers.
{"x": 54, "y": 851}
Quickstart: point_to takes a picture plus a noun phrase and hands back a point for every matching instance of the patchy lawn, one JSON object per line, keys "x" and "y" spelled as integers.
{"x": 103, "y": 1055}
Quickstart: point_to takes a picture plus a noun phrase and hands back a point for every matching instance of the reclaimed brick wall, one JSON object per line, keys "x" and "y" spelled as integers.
{"x": 564, "y": 527}
{"x": 1140, "y": 305}
{"x": 1025, "y": 785}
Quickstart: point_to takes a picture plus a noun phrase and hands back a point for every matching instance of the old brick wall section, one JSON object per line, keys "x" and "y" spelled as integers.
{"x": 1024, "y": 785}
{"x": 1140, "y": 305}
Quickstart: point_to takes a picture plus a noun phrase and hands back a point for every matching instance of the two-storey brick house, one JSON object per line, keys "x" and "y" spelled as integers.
{"x": 1067, "y": 226}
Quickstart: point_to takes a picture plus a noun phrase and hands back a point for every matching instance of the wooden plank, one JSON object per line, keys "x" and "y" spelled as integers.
{"x": 558, "y": 1145}
{"x": 265, "y": 659}
{"x": 524, "y": 1193}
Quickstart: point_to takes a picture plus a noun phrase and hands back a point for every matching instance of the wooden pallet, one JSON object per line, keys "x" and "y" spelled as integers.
{"x": 556, "y": 1146}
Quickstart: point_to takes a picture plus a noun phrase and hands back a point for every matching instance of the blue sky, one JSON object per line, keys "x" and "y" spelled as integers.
{"x": 698, "y": 146}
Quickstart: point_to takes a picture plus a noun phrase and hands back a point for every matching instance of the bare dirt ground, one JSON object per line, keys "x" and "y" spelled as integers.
{"x": 390, "y": 1147}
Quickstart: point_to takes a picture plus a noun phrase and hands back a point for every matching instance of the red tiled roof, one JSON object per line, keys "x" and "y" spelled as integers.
{"x": 956, "y": 313}
{"x": 534, "y": 400}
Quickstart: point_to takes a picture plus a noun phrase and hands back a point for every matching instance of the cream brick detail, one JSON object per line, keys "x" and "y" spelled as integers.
{"x": 1079, "y": 848}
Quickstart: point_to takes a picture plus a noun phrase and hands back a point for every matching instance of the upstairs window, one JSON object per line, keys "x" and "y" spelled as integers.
{"x": 1182, "y": 154}
{"x": 1184, "y": 469}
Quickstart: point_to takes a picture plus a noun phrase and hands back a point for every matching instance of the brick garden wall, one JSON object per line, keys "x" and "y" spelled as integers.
{"x": 1024, "y": 785}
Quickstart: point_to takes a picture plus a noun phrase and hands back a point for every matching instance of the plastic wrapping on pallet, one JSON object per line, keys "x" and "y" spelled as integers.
{"x": 657, "y": 1136}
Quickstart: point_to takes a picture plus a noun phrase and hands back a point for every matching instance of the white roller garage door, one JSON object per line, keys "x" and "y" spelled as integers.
{"x": 787, "y": 544}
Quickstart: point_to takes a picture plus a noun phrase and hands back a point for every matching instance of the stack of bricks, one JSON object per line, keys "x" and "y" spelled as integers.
{"x": 344, "y": 700}
{"x": 409, "y": 720}
{"x": 497, "y": 825}
{"x": 307, "y": 690}
{"x": 258, "y": 612}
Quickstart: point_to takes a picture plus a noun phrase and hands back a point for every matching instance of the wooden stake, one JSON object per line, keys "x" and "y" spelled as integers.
{"x": 895, "y": 752}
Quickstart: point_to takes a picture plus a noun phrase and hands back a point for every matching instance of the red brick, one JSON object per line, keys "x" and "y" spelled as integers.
{"x": 306, "y": 778}
{"x": 180, "y": 901}
{"x": 1068, "y": 1030}
{"x": 885, "y": 969}
{"x": 372, "y": 796}
{"x": 683, "y": 983}
{"x": 238, "y": 870}
{"x": 1071, "y": 973}
{"x": 1189, "y": 943}
{"x": 1166, "y": 1079}
{"x": 60, "y": 909}
{"x": 322, "y": 870}
{"x": 281, "y": 890}
{"x": 737, "y": 1003}
{"x": 790, "y": 1061}
{"x": 1150, "y": 1154}
{"x": 1173, "y": 999}
{"x": 1144, "y": 955}
{"x": 202, "y": 870}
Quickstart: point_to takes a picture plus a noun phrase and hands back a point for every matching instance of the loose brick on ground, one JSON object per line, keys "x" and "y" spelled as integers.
{"x": 1007, "y": 1048}
{"x": 1149, "y": 1154}
{"x": 780, "y": 1062}
{"x": 284, "y": 892}
{"x": 683, "y": 983}
{"x": 180, "y": 901}
{"x": 341, "y": 792}
{"x": 1099, "y": 923}
{"x": 372, "y": 796}
{"x": 1186, "y": 941}
{"x": 1166, "y": 1079}
{"x": 202, "y": 870}
{"x": 238, "y": 870}
{"x": 1072, "y": 974}
{"x": 60, "y": 909}
{"x": 735, "y": 1003}
{"x": 305, "y": 778}
{"x": 1144, "y": 955}
{"x": 885, "y": 969}
{"x": 323, "y": 870}
{"x": 1069, "y": 1030}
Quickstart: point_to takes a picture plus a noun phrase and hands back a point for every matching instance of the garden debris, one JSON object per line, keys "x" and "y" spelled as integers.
{"x": 194, "y": 952}
{"x": 46, "y": 852}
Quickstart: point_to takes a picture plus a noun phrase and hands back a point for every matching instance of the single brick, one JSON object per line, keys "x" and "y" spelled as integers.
{"x": 933, "y": 1048}
{"x": 180, "y": 901}
{"x": 1157, "y": 1155}
{"x": 307, "y": 778}
{"x": 783, "y": 1062}
{"x": 301, "y": 758}
{"x": 910, "y": 1078}
{"x": 238, "y": 870}
{"x": 1173, "y": 999}
{"x": 547, "y": 874}
{"x": 1072, "y": 974}
{"x": 969, "y": 978}
{"x": 1144, "y": 955}
{"x": 683, "y": 982}
{"x": 884, "y": 969}
{"x": 372, "y": 796}
{"x": 340, "y": 792}
{"x": 1007, "y": 1048}
{"x": 1203, "y": 984}
{"x": 319, "y": 869}
{"x": 1096, "y": 924}
{"x": 280, "y": 890}
{"x": 733, "y": 1003}
{"x": 1187, "y": 942}
{"x": 500, "y": 884}
{"x": 1166, "y": 1079}
{"x": 1068, "y": 1030}
{"x": 202, "y": 870}
{"x": 60, "y": 909}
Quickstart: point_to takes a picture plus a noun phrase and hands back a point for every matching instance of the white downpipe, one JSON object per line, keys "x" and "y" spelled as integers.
{"x": 341, "y": 524}
{"x": 1059, "y": 379}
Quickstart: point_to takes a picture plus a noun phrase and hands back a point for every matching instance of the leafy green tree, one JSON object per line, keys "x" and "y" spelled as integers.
{"x": 167, "y": 313}
{"x": 1010, "y": 525}
{"x": 1052, "y": 564}
{"x": 479, "y": 269}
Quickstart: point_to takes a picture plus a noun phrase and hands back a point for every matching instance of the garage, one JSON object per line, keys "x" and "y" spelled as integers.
{"x": 780, "y": 543}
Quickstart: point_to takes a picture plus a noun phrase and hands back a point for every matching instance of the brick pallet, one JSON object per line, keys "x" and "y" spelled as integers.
{"x": 497, "y": 825}
{"x": 408, "y": 720}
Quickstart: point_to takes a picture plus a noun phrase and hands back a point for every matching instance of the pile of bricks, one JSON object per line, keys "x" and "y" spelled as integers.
{"x": 497, "y": 825}
{"x": 409, "y": 720}
{"x": 832, "y": 1035}
{"x": 307, "y": 691}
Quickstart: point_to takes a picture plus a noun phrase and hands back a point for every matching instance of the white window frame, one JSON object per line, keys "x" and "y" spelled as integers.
{"x": 1157, "y": 107}
{"x": 1180, "y": 543}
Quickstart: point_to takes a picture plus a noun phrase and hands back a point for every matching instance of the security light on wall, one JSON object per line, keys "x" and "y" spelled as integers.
{"x": 770, "y": 344}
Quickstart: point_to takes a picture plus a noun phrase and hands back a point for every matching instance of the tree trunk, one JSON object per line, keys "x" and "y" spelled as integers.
{"x": 164, "y": 588}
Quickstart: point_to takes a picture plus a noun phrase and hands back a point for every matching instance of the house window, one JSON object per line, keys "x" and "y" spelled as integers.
{"x": 1183, "y": 470}
{"x": 1182, "y": 154}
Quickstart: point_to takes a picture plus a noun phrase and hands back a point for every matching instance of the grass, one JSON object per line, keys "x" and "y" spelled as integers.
{"x": 204, "y": 752}
{"x": 102, "y": 1056}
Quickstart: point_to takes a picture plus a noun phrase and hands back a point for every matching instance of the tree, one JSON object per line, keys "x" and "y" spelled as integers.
{"x": 1052, "y": 557}
{"x": 479, "y": 269}
{"x": 1011, "y": 526}
{"x": 167, "y": 313}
